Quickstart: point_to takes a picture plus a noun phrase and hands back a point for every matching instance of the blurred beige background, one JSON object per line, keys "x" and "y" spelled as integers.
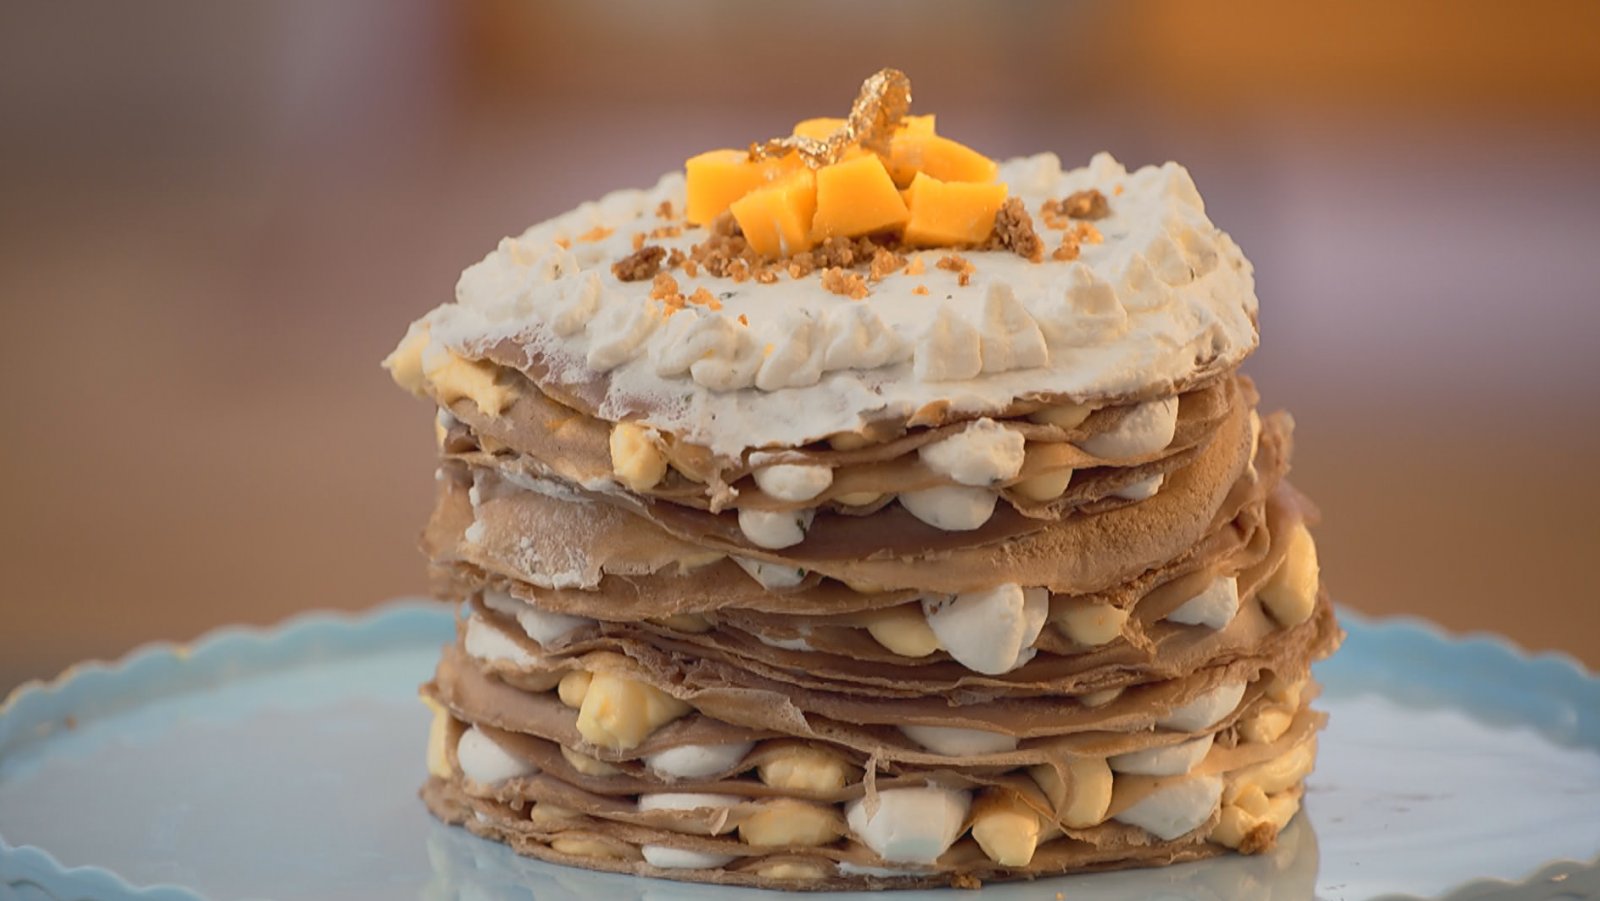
{"x": 216, "y": 218}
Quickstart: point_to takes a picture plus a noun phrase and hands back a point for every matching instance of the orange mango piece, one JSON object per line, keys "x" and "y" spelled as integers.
{"x": 716, "y": 178}
{"x": 951, "y": 213}
{"x": 917, "y": 124}
{"x": 776, "y": 217}
{"x": 911, "y": 152}
{"x": 856, "y": 197}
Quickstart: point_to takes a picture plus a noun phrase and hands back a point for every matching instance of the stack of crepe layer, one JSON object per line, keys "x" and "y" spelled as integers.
{"x": 638, "y": 686}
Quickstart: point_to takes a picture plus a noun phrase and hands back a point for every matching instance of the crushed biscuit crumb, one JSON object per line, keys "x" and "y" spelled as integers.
{"x": 960, "y": 265}
{"x": 598, "y": 233}
{"x": 564, "y": 243}
{"x": 1013, "y": 231}
{"x": 666, "y": 231}
{"x": 766, "y": 276}
{"x": 1089, "y": 204}
{"x": 1117, "y": 191}
{"x": 691, "y": 268}
{"x": 705, "y": 298}
{"x": 641, "y": 264}
{"x": 664, "y": 211}
{"x": 665, "y": 289}
{"x": 916, "y": 266}
{"x": 676, "y": 258}
{"x": 847, "y": 284}
{"x": 638, "y": 241}
{"x": 743, "y": 320}
{"x": 965, "y": 881}
{"x": 1067, "y": 251}
{"x": 884, "y": 261}
{"x": 1260, "y": 839}
{"x": 920, "y": 289}
{"x": 663, "y": 286}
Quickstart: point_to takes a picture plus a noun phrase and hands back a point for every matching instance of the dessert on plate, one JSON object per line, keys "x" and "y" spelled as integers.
{"x": 854, "y": 511}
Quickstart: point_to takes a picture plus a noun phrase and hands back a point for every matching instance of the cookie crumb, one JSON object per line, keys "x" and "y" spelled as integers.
{"x": 638, "y": 241}
{"x": 847, "y": 284}
{"x": 884, "y": 261}
{"x": 705, "y": 298}
{"x": 916, "y": 266}
{"x": 664, "y": 211}
{"x": 1090, "y": 204}
{"x": 564, "y": 243}
{"x": 666, "y": 231}
{"x": 641, "y": 264}
{"x": 1260, "y": 839}
{"x": 1013, "y": 231}
{"x": 598, "y": 233}
{"x": 921, "y": 290}
{"x": 960, "y": 265}
{"x": 966, "y": 881}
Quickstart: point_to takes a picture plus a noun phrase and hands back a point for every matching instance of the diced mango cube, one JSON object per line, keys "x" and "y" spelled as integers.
{"x": 818, "y": 129}
{"x": 951, "y": 213}
{"x": 856, "y": 197}
{"x": 776, "y": 218}
{"x": 912, "y": 151}
{"x": 716, "y": 178}
{"x": 918, "y": 124}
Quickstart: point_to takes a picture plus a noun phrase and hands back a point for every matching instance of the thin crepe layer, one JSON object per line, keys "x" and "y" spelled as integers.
{"x": 612, "y": 822}
{"x": 842, "y": 656}
{"x": 563, "y": 539}
{"x": 483, "y": 692}
{"x": 537, "y": 437}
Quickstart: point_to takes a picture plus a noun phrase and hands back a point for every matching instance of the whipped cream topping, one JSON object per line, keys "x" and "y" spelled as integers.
{"x": 1165, "y": 298}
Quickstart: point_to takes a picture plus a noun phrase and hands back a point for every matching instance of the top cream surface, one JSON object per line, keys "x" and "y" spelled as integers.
{"x": 1166, "y": 298}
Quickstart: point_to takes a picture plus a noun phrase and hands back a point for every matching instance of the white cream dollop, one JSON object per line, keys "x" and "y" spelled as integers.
{"x": 484, "y": 761}
{"x": 682, "y": 858}
{"x": 1169, "y": 760}
{"x": 858, "y": 338}
{"x": 793, "y": 481}
{"x": 1146, "y": 428}
{"x": 983, "y": 453}
{"x": 992, "y": 631}
{"x": 1080, "y": 310}
{"x": 685, "y": 800}
{"x": 618, "y": 334}
{"x": 543, "y": 626}
{"x": 957, "y": 741}
{"x": 774, "y": 529}
{"x": 1205, "y": 711}
{"x": 953, "y": 508}
{"x": 1009, "y": 338}
{"x": 949, "y": 349}
{"x": 1213, "y": 608}
{"x": 1142, "y": 490}
{"x": 697, "y": 761}
{"x": 771, "y": 575}
{"x": 911, "y": 825}
{"x": 797, "y": 354}
{"x": 487, "y": 643}
{"x": 1175, "y": 810}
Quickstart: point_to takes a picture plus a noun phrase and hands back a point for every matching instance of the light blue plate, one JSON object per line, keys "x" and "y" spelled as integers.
{"x": 284, "y": 764}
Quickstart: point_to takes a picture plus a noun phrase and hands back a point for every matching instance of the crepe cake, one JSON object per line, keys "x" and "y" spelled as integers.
{"x": 854, "y": 511}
